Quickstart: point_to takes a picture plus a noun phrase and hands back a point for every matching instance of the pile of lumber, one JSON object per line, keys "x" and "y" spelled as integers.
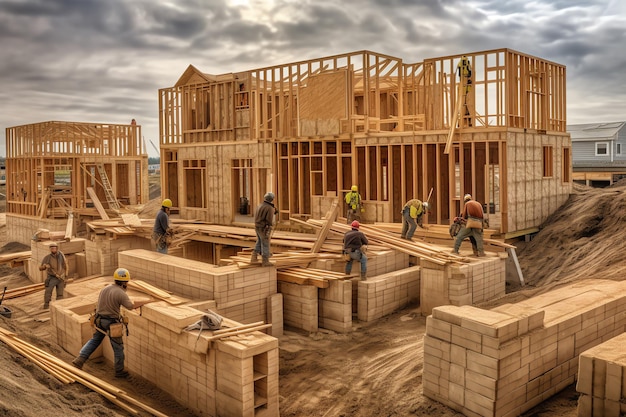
{"x": 319, "y": 278}
{"x": 286, "y": 259}
{"x": 15, "y": 259}
{"x": 154, "y": 292}
{"x": 377, "y": 236}
{"x": 67, "y": 374}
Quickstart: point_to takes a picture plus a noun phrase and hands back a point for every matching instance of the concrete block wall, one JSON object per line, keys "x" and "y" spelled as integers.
{"x": 240, "y": 294}
{"x": 504, "y": 361}
{"x": 22, "y": 228}
{"x": 39, "y": 249}
{"x": 230, "y": 377}
{"x": 378, "y": 263}
{"x": 461, "y": 284}
{"x": 602, "y": 379}
{"x": 383, "y": 294}
{"x": 102, "y": 252}
{"x": 335, "y": 306}
{"x": 300, "y": 305}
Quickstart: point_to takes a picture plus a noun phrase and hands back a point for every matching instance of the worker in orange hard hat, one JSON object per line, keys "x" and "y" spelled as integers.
{"x": 162, "y": 231}
{"x": 354, "y": 248}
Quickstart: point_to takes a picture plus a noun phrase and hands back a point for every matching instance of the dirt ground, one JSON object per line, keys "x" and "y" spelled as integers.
{"x": 376, "y": 370}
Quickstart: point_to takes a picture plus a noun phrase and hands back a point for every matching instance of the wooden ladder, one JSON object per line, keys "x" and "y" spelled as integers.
{"x": 108, "y": 191}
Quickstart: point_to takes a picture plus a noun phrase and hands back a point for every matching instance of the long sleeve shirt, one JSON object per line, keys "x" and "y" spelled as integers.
{"x": 354, "y": 239}
{"x": 264, "y": 215}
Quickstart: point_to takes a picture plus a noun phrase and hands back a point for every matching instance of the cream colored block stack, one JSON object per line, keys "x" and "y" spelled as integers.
{"x": 505, "y": 361}
{"x": 384, "y": 294}
{"x": 300, "y": 305}
{"x": 335, "y": 306}
{"x": 481, "y": 280}
{"x": 22, "y": 228}
{"x": 240, "y": 294}
{"x": 39, "y": 249}
{"x": 602, "y": 379}
{"x": 378, "y": 263}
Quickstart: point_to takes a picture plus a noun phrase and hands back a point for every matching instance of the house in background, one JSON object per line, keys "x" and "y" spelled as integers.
{"x": 598, "y": 153}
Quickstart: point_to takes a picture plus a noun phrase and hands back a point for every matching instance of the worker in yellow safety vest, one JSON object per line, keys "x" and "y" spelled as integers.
{"x": 355, "y": 205}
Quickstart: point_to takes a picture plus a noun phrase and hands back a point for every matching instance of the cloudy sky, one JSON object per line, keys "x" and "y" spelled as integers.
{"x": 104, "y": 60}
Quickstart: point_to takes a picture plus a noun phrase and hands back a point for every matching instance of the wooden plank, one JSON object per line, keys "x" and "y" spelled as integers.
{"x": 331, "y": 216}
{"x": 69, "y": 228}
{"x": 97, "y": 203}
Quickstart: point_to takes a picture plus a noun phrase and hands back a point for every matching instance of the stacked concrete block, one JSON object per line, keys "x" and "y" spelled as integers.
{"x": 505, "y": 361}
{"x": 335, "y": 306}
{"x": 481, "y": 280}
{"x": 384, "y": 294}
{"x": 22, "y": 228}
{"x": 378, "y": 263}
{"x": 275, "y": 314}
{"x": 240, "y": 294}
{"x": 102, "y": 252}
{"x": 602, "y": 379}
{"x": 70, "y": 248}
{"x": 300, "y": 305}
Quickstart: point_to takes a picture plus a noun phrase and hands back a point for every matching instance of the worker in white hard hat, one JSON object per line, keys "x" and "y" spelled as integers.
{"x": 162, "y": 231}
{"x": 108, "y": 321}
{"x": 55, "y": 265}
{"x": 263, "y": 223}
{"x": 412, "y": 214}
{"x": 355, "y": 204}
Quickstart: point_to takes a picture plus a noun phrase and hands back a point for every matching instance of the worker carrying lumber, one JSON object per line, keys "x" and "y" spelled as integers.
{"x": 355, "y": 205}
{"x": 412, "y": 214}
{"x": 472, "y": 225}
{"x": 354, "y": 248}
{"x": 263, "y": 223}
{"x": 162, "y": 232}
{"x": 56, "y": 267}
{"x": 108, "y": 321}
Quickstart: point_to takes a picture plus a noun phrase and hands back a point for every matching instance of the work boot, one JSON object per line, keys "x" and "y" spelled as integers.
{"x": 122, "y": 374}
{"x": 46, "y": 306}
{"x": 480, "y": 254}
{"x": 475, "y": 252}
{"x": 363, "y": 278}
{"x": 254, "y": 259}
{"x": 454, "y": 252}
{"x": 78, "y": 362}
{"x": 266, "y": 262}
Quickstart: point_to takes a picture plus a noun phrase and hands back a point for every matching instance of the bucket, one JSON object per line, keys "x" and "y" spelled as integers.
{"x": 5, "y": 312}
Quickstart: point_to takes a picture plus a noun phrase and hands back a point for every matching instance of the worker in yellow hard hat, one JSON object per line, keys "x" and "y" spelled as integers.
{"x": 355, "y": 205}
{"x": 162, "y": 231}
{"x": 109, "y": 322}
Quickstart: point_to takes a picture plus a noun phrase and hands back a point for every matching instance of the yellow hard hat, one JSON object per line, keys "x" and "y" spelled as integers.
{"x": 167, "y": 203}
{"x": 121, "y": 274}
{"x": 355, "y": 188}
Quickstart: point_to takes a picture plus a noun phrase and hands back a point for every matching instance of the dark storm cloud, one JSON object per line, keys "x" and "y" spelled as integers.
{"x": 104, "y": 60}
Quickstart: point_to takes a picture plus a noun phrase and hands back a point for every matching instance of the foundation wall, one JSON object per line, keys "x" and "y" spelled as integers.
{"x": 240, "y": 294}
{"x": 383, "y": 294}
{"x": 481, "y": 280}
{"x": 504, "y": 361}
{"x": 22, "y": 228}
{"x": 101, "y": 252}
{"x": 378, "y": 263}
{"x": 602, "y": 379}
{"x": 300, "y": 306}
{"x": 335, "y": 306}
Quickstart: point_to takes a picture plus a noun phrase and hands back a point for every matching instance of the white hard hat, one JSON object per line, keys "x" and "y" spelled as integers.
{"x": 426, "y": 206}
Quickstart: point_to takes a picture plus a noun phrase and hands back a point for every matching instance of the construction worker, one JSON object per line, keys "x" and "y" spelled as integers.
{"x": 263, "y": 222}
{"x": 107, "y": 313}
{"x": 162, "y": 231}
{"x": 354, "y": 247}
{"x": 355, "y": 204}
{"x": 55, "y": 264}
{"x": 464, "y": 70}
{"x": 472, "y": 225}
{"x": 412, "y": 213}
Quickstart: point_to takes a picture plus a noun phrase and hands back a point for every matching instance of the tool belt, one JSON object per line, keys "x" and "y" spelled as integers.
{"x": 116, "y": 328}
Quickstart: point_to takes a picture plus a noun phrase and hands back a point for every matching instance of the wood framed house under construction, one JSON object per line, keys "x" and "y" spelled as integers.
{"x": 55, "y": 169}
{"x": 492, "y": 124}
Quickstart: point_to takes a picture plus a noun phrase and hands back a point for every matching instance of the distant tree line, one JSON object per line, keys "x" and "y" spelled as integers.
{"x": 154, "y": 160}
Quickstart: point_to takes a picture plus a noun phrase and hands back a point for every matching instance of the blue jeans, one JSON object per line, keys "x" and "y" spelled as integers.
{"x": 357, "y": 255}
{"x": 262, "y": 246}
{"x": 117, "y": 343}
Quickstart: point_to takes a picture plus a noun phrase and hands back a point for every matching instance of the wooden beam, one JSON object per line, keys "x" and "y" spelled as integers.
{"x": 97, "y": 203}
{"x": 331, "y": 216}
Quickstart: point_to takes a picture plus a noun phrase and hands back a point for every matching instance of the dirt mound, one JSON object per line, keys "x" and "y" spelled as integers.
{"x": 582, "y": 239}
{"x": 13, "y": 247}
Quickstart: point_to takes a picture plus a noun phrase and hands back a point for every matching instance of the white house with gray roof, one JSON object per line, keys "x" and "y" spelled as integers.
{"x": 598, "y": 152}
